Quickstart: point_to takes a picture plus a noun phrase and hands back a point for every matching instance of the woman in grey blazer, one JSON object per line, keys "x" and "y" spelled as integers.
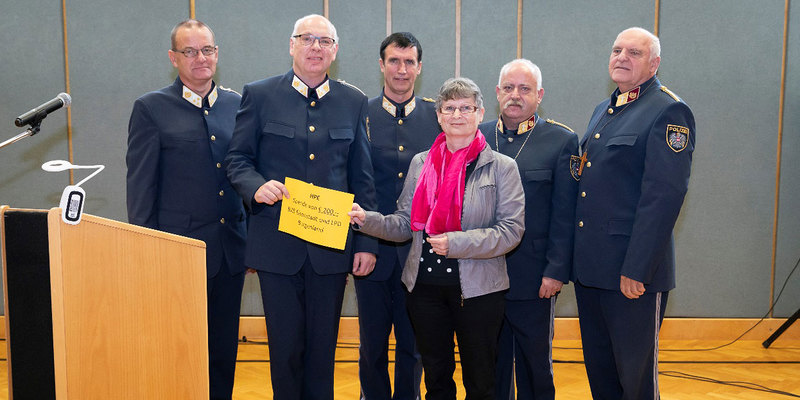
{"x": 463, "y": 207}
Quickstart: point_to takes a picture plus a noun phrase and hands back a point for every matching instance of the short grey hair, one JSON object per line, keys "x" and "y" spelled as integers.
{"x": 188, "y": 24}
{"x": 331, "y": 28}
{"x": 655, "y": 43}
{"x": 533, "y": 68}
{"x": 459, "y": 88}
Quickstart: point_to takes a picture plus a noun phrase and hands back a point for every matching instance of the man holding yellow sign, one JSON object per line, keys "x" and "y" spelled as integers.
{"x": 305, "y": 126}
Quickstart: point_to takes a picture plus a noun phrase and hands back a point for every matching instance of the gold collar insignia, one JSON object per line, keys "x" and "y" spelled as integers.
{"x": 389, "y": 107}
{"x": 628, "y": 97}
{"x": 302, "y": 88}
{"x": 392, "y": 109}
{"x": 523, "y": 127}
{"x": 195, "y": 98}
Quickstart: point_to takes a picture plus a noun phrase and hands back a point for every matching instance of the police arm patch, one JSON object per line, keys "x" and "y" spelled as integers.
{"x": 677, "y": 137}
{"x": 575, "y": 163}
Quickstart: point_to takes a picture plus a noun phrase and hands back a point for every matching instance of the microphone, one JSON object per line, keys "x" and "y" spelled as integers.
{"x": 38, "y": 113}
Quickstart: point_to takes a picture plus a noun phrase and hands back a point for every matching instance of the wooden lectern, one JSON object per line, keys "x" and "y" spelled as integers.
{"x": 102, "y": 309}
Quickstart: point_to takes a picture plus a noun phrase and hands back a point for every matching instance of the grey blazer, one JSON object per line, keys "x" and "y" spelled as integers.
{"x": 493, "y": 220}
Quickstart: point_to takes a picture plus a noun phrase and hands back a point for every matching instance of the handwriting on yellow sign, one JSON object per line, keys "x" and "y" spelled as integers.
{"x": 316, "y": 214}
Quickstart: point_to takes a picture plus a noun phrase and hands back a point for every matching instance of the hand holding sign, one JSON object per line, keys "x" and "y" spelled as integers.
{"x": 357, "y": 215}
{"x": 316, "y": 214}
{"x": 271, "y": 192}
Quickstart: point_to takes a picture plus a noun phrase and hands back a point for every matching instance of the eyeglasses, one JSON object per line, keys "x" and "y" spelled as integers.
{"x": 308, "y": 40}
{"x": 463, "y": 109}
{"x": 189, "y": 52}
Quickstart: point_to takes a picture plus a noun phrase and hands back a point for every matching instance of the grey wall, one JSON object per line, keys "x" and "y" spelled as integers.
{"x": 789, "y": 209}
{"x": 32, "y": 72}
{"x": 722, "y": 57}
{"x": 725, "y": 230}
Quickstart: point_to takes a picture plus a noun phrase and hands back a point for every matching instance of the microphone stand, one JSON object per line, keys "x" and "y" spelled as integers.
{"x": 781, "y": 329}
{"x": 36, "y": 125}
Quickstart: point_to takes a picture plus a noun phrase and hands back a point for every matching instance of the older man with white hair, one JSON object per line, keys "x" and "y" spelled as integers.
{"x": 303, "y": 125}
{"x": 540, "y": 265}
{"x": 634, "y": 174}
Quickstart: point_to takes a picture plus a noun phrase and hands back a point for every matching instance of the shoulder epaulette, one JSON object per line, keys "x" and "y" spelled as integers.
{"x": 429, "y": 100}
{"x": 351, "y": 85}
{"x": 550, "y": 121}
{"x": 230, "y": 90}
{"x": 669, "y": 92}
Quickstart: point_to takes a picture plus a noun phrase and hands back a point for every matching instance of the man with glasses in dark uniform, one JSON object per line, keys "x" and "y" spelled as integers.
{"x": 401, "y": 125}
{"x": 540, "y": 265}
{"x": 177, "y": 141}
{"x": 309, "y": 127}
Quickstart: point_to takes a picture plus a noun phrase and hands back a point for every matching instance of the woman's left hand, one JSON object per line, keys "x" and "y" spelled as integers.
{"x": 439, "y": 244}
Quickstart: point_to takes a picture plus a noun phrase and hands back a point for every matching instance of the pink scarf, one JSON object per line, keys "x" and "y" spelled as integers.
{"x": 439, "y": 195}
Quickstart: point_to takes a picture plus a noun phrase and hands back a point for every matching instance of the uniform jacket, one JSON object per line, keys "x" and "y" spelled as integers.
{"x": 395, "y": 139}
{"x": 492, "y": 222}
{"x": 632, "y": 186}
{"x": 176, "y": 182}
{"x": 323, "y": 141}
{"x": 550, "y": 189}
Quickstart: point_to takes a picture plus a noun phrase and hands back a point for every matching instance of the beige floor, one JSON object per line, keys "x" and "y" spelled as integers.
{"x": 777, "y": 368}
{"x": 745, "y": 362}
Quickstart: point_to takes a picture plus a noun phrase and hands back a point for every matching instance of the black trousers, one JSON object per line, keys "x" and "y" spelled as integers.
{"x": 437, "y": 313}
{"x": 302, "y": 312}
{"x": 224, "y": 302}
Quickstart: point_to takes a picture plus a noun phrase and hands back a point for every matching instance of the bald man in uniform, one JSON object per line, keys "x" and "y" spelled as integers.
{"x": 634, "y": 174}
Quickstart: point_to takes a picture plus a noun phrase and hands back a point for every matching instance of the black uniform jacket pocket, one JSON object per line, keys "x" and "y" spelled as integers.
{"x": 278, "y": 129}
{"x": 622, "y": 140}
{"x": 341, "y": 133}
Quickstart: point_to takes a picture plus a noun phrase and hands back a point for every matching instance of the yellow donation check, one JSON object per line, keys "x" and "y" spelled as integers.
{"x": 316, "y": 214}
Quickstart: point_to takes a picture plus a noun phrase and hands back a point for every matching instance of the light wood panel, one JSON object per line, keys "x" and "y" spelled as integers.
{"x": 121, "y": 328}
{"x": 779, "y": 152}
{"x": 3, "y": 326}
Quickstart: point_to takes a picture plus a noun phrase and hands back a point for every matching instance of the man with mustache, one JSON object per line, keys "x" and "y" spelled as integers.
{"x": 634, "y": 174}
{"x": 540, "y": 265}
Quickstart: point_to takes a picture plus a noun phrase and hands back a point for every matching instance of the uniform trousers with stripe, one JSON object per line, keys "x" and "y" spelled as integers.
{"x": 620, "y": 342}
{"x": 381, "y": 305}
{"x": 525, "y": 350}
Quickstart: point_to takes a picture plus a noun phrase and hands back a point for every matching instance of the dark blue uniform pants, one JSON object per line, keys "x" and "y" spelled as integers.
{"x": 525, "y": 346}
{"x": 382, "y": 304}
{"x": 436, "y": 314}
{"x": 620, "y": 342}
{"x": 224, "y": 293}
{"x": 302, "y": 313}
